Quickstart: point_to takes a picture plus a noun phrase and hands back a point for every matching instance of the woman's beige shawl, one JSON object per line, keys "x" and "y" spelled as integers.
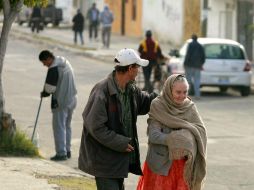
{"x": 190, "y": 141}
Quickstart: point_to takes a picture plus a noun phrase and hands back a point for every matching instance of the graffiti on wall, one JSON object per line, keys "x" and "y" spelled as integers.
{"x": 169, "y": 11}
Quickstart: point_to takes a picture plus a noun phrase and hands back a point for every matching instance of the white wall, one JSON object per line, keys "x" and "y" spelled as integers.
{"x": 66, "y": 6}
{"x": 165, "y": 19}
{"x": 69, "y": 11}
{"x": 222, "y": 19}
{"x": 88, "y": 3}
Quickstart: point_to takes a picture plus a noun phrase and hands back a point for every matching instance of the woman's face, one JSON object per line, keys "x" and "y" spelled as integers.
{"x": 179, "y": 92}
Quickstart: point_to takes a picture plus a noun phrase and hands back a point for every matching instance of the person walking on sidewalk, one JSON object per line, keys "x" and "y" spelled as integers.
{"x": 61, "y": 86}
{"x": 36, "y": 19}
{"x": 78, "y": 26}
{"x": 93, "y": 16}
{"x": 109, "y": 147}
{"x": 177, "y": 139}
{"x": 149, "y": 49}
{"x": 193, "y": 64}
{"x": 106, "y": 19}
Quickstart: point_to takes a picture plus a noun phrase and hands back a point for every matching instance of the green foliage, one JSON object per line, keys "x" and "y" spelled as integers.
{"x": 18, "y": 145}
{"x": 28, "y": 3}
{"x": 32, "y": 3}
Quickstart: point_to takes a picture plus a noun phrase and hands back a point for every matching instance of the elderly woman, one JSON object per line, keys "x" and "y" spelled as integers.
{"x": 176, "y": 158}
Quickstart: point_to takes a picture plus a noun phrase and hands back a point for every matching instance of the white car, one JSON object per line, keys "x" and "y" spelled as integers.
{"x": 226, "y": 64}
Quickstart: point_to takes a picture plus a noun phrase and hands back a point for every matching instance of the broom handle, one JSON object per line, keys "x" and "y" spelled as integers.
{"x": 36, "y": 120}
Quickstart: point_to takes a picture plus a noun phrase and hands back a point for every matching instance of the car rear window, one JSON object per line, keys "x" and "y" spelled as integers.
{"x": 223, "y": 51}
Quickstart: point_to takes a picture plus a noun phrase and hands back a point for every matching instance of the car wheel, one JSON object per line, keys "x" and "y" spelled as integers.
{"x": 223, "y": 89}
{"x": 245, "y": 91}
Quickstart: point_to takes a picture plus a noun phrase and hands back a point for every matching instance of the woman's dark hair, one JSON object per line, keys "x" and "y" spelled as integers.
{"x": 45, "y": 54}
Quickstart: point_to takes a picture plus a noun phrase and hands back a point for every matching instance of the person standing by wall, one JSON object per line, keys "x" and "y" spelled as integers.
{"x": 93, "y": 15}
{"x": 177, "y": 140}
{"x": 106, "y": 19}
{"x": 149, "y": 49}
{"x": 78, "y": 26}
{"x": 109, "y": 147}
{"x": 193, "y": 64}
{"x": 61, "y": 86}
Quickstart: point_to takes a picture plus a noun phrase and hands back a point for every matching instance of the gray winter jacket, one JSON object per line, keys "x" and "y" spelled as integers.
{"x": 106, "y": 17}
{"x": 158, "y": 155}
{"x": 60, "y": 83}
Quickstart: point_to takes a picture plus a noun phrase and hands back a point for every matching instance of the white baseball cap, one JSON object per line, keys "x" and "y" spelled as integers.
{"x": 129, "y": 56}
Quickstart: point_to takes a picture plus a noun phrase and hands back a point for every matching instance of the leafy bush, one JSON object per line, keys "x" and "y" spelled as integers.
{"x": 17, "y": 145}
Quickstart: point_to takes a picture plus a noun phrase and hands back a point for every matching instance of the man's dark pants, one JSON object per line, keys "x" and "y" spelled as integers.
{"x": 93, "y": 28}
{"x": 80, "y": 33}
{"x": 147, "y": 75}
{"x": 109, "y": 183}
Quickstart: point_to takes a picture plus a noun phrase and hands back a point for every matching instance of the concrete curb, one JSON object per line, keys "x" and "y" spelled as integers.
{"x": 19, "y": 173}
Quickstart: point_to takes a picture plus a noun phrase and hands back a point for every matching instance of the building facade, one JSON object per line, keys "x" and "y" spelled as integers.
{"x": 222, "y": 16}
{"x": 231, "y": 19}
{"x": 175, "y": 21}
{"x": 170, "y": 21}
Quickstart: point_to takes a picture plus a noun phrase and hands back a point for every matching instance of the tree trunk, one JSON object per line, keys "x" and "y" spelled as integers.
{"x": 3, "y": 44}
{"x": 10, "y": 13}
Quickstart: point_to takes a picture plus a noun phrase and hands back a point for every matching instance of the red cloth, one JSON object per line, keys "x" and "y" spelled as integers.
{"x": 150, "y": 54}
{"x": 174, "y": 180}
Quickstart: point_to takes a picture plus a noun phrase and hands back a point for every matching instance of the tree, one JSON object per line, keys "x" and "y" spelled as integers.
{"x": 10, "y": 8}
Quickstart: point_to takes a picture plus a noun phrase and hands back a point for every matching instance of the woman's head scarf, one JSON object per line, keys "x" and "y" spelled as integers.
{"x": 188, "y": 138}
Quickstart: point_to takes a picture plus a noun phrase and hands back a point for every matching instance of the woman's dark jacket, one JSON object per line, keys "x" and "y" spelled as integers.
{"x": 103, "y": 142}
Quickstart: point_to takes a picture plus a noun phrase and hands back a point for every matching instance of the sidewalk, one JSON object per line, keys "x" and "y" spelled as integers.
{"x": 62, "y": 38}
{"x": 34, "y": 174}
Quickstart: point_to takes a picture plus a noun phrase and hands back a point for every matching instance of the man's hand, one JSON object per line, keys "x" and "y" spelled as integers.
{"x": 44, "y": 94}
{"x": 129, "y": 148}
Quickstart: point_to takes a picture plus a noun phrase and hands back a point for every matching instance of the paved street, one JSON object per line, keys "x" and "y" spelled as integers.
{"x": 228, "y": 117}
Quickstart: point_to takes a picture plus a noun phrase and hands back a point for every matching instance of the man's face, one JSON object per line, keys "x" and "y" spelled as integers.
{"x": 47, "y": 62}
{"x": 133, "y": 71}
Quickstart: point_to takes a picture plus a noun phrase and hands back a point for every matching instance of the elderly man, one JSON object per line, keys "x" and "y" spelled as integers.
{"x": 109, "y": 147}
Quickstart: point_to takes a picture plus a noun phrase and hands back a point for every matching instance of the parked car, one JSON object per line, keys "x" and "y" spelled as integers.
{"x": 53, "y": 15}
{"x": 50, "y": 14}
{"x": 226, "y": 64}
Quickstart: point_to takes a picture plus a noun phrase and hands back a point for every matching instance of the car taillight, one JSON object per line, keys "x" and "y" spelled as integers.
{"x": 247, "y": 66}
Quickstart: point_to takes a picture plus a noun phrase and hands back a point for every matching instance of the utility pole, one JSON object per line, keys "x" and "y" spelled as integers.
{"x": 205, "y": 18}
{"x": 123, "y": 18}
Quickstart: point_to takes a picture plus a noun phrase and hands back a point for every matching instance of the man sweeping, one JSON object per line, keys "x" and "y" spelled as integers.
{"x": 61, "y": 86}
